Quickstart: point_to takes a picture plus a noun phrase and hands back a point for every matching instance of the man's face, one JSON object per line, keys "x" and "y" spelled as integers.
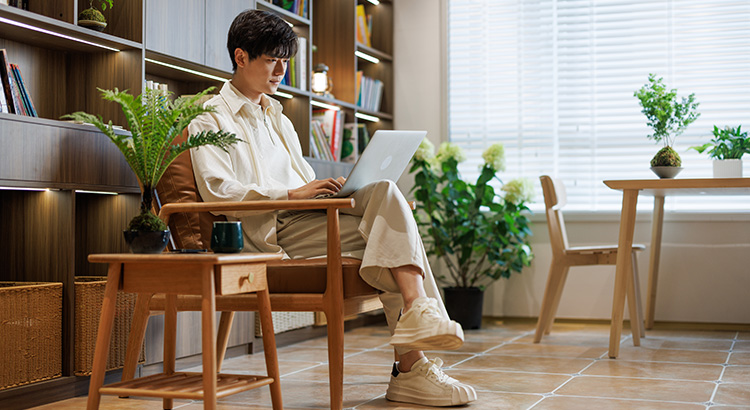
{"x": 264, "y": 74}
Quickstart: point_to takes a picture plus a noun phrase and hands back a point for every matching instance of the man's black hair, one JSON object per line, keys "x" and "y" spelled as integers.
{"x": 260, "y": 32}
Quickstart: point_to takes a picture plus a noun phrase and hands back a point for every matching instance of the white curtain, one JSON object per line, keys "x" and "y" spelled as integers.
{"x": 554, "y": 82}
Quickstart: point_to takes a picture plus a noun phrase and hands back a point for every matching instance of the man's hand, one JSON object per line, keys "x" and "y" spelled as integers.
{"x": 317, "y": 187}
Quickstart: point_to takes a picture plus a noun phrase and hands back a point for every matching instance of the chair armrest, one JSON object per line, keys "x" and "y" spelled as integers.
{"x": 172, "y": 208}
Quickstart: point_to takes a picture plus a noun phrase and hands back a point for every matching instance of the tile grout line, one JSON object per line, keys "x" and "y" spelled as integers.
{"x": 723, "y": 369}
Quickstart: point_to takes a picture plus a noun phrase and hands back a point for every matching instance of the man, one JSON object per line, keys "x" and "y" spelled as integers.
{"x": 380, "y": 230}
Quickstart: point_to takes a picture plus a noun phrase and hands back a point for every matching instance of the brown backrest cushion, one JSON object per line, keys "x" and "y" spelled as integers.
{"x": 189, "y": 230}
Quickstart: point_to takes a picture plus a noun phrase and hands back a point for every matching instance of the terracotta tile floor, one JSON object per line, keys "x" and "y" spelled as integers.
{"x": 568, "y": 370}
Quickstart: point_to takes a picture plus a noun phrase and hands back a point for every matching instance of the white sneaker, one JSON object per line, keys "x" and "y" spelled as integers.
{"x": 426, "y": 384}
{"x": 422, "y": 327}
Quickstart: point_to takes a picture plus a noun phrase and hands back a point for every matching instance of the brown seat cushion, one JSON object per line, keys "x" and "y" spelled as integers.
{"x": 192, "y": 230}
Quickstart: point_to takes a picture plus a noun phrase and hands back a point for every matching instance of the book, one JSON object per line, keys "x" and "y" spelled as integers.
{"x": 28, "y": 103}
{"x": 363, "y": 137}
{"x": 332, "y": 123}
{"x": 5, "y": 77}
{"x": 301, "y": 63}
{"x": 321, "y": 142}
{"x": 363, "y": 35}
{"x": 350, "y": 146}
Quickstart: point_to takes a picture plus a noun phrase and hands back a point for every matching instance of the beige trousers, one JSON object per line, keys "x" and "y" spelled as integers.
{"x": 380, "y": 230}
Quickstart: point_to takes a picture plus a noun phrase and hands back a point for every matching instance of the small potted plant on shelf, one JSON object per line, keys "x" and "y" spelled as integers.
{"x": 727, "y": 147}
{"x": 154, "y": 121}
{"x": 93, "y": 18}
{"x": 479, "y": 235}
{"x": 668, "y": 117}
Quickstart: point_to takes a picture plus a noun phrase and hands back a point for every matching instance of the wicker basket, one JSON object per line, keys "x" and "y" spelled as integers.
{"x": 285, "y": 321}
{"x": 30, "y": 332}
{"x": 89, "y": 298}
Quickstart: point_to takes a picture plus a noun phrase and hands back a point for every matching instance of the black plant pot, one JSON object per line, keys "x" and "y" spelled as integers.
{"x": 464, "y": 305}
{"x": 146, "y": 242}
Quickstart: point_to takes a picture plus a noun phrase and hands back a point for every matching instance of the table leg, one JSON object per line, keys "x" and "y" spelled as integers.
{"x": 170, "y": 339}
{"x": 653, "y": 266}
{"x": 103, "y": 335}
{"x": 269, "y": 348}
{"x": 624, "y": 266}
{"x": 208, "y": 313}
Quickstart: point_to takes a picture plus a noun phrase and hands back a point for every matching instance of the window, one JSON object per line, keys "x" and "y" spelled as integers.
{"x": 554, "y": 82}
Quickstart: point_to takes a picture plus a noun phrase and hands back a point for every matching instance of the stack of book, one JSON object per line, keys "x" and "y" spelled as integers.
{"x": 356, "y": 139}
{"x": 298, "y": 7}
{"x": 327, "y": 134}
{"x": 369, "y": 92}
{"x": 14, "y": 97}
{"x": 296, "y": 71}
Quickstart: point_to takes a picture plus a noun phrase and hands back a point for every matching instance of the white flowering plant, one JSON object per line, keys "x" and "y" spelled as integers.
{"x": 480, "y": 234}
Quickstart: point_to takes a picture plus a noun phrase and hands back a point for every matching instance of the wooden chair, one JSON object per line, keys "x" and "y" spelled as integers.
{"x": 565, "y": 256}
{"x": 330, "y": 285}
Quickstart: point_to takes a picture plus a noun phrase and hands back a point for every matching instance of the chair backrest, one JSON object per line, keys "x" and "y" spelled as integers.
{"x": 189, "y": 230}
{"x": 554, "y": 199}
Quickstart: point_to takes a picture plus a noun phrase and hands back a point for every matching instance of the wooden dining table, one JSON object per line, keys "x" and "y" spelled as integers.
{"x": 658, "y": 188}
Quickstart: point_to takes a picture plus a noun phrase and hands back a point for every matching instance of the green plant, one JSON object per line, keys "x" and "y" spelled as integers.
{"x": 154, "y": 122}
{"x": 93, "y": 14}
{"x": 728, "y": 143}
{"x": 667, "y": 116}
{"x": 480, "y": 235}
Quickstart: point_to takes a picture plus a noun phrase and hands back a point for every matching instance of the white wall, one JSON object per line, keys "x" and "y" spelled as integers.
{"x": 705, "y": 263}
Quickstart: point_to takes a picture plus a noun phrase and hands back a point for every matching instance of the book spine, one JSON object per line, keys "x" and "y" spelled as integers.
{"x": 28, "y": 103}
{"x": 17, "y": 98}
{"x": 5, "y": 78}
{"x": 302, "y": 63}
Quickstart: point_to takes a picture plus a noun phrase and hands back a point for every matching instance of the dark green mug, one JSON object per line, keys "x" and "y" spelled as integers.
{"x": 226, "y": 237}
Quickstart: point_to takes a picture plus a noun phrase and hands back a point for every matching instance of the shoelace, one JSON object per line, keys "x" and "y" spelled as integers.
{"x": 435, "y": 371}
{"x": 427, "y": 308}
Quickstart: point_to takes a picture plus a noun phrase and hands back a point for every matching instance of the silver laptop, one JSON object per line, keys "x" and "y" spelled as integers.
{"x": 386, "y": 157}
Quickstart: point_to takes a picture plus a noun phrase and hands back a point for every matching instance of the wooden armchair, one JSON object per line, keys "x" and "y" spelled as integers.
{"x": 331, "y": 285}
{"x": 564, "y": 256}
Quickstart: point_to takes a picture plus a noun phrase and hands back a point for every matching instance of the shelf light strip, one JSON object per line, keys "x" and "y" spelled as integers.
{"x": 324, "y": 105}
{"x": 367, "y": 57}
{"x": 367, "y": 117}
{"x": 83, "y": 191}
{"x": 13, "y": 188}
{"x": 187, "y": 70}
{"x": 283, "y": 94}
{"x": 52, "y": 33}
{"x": 375, "y": 2}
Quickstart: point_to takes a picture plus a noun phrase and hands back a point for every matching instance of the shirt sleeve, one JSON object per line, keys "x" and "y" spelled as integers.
{"x": 215, "y": 173}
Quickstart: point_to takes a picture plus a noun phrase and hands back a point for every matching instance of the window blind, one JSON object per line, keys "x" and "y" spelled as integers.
{"x": 554, "y": 81}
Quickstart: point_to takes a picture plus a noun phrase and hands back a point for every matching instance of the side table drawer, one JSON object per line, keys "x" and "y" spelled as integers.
{"x": 240, "y": 278}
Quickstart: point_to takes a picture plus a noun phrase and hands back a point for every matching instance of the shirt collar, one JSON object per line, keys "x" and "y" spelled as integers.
{"x": 236, "y": 100}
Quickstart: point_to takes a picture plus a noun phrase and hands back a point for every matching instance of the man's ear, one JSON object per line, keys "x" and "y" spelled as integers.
{"x": 240, "y": 57}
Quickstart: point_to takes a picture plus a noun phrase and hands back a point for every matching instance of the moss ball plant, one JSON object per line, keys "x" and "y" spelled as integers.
{"x": 92, "y": 14}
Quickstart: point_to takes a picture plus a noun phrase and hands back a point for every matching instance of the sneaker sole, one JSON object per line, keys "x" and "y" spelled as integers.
{"x": 451, "y": 338}
{"x": 404, "y": 395}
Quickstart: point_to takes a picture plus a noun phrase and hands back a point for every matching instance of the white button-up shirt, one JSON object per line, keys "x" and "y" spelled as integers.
{"x": 265, "y": 166}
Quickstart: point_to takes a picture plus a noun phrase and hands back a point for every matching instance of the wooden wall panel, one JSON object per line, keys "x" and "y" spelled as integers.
{"x": 61, "y": 157}
{"x": 334, "y": 35}
{"x": 218, "y": 20}
{"x": 176, "y": 28}
{"x": 100, "y": 220}
{"x": 59, "y": 9}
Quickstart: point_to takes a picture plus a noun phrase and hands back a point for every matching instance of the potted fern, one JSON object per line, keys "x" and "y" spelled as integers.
{"x": 478, "y": 234}
{"x": 668, "y": 117}
{"x": 93, "y": 18}
{"x": 154, "y": 122}
{"x": 726, "y": 148}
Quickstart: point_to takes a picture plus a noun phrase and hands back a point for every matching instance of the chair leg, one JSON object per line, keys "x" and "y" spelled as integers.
{"x": 335, "y": 320}
{"x": 269, "y": 348}
{"x": 556, "y": 302}
{"x": 141, "y": 314}
{"x": 554, "y": 286}
{"x": 222, "y": 337}
{"x": 635, "y": 318}
{"x": 638, "y": 299}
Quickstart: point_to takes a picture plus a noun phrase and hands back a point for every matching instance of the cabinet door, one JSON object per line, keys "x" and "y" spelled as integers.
{"x": 218, "y": 20}
{"x": 176, "y": 28}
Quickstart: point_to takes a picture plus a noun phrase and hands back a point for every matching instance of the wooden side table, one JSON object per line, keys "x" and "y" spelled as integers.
{"x": 185, "y": 274}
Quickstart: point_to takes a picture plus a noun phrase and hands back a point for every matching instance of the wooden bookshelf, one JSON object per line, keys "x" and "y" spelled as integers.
{"x": 181, "y": 43}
